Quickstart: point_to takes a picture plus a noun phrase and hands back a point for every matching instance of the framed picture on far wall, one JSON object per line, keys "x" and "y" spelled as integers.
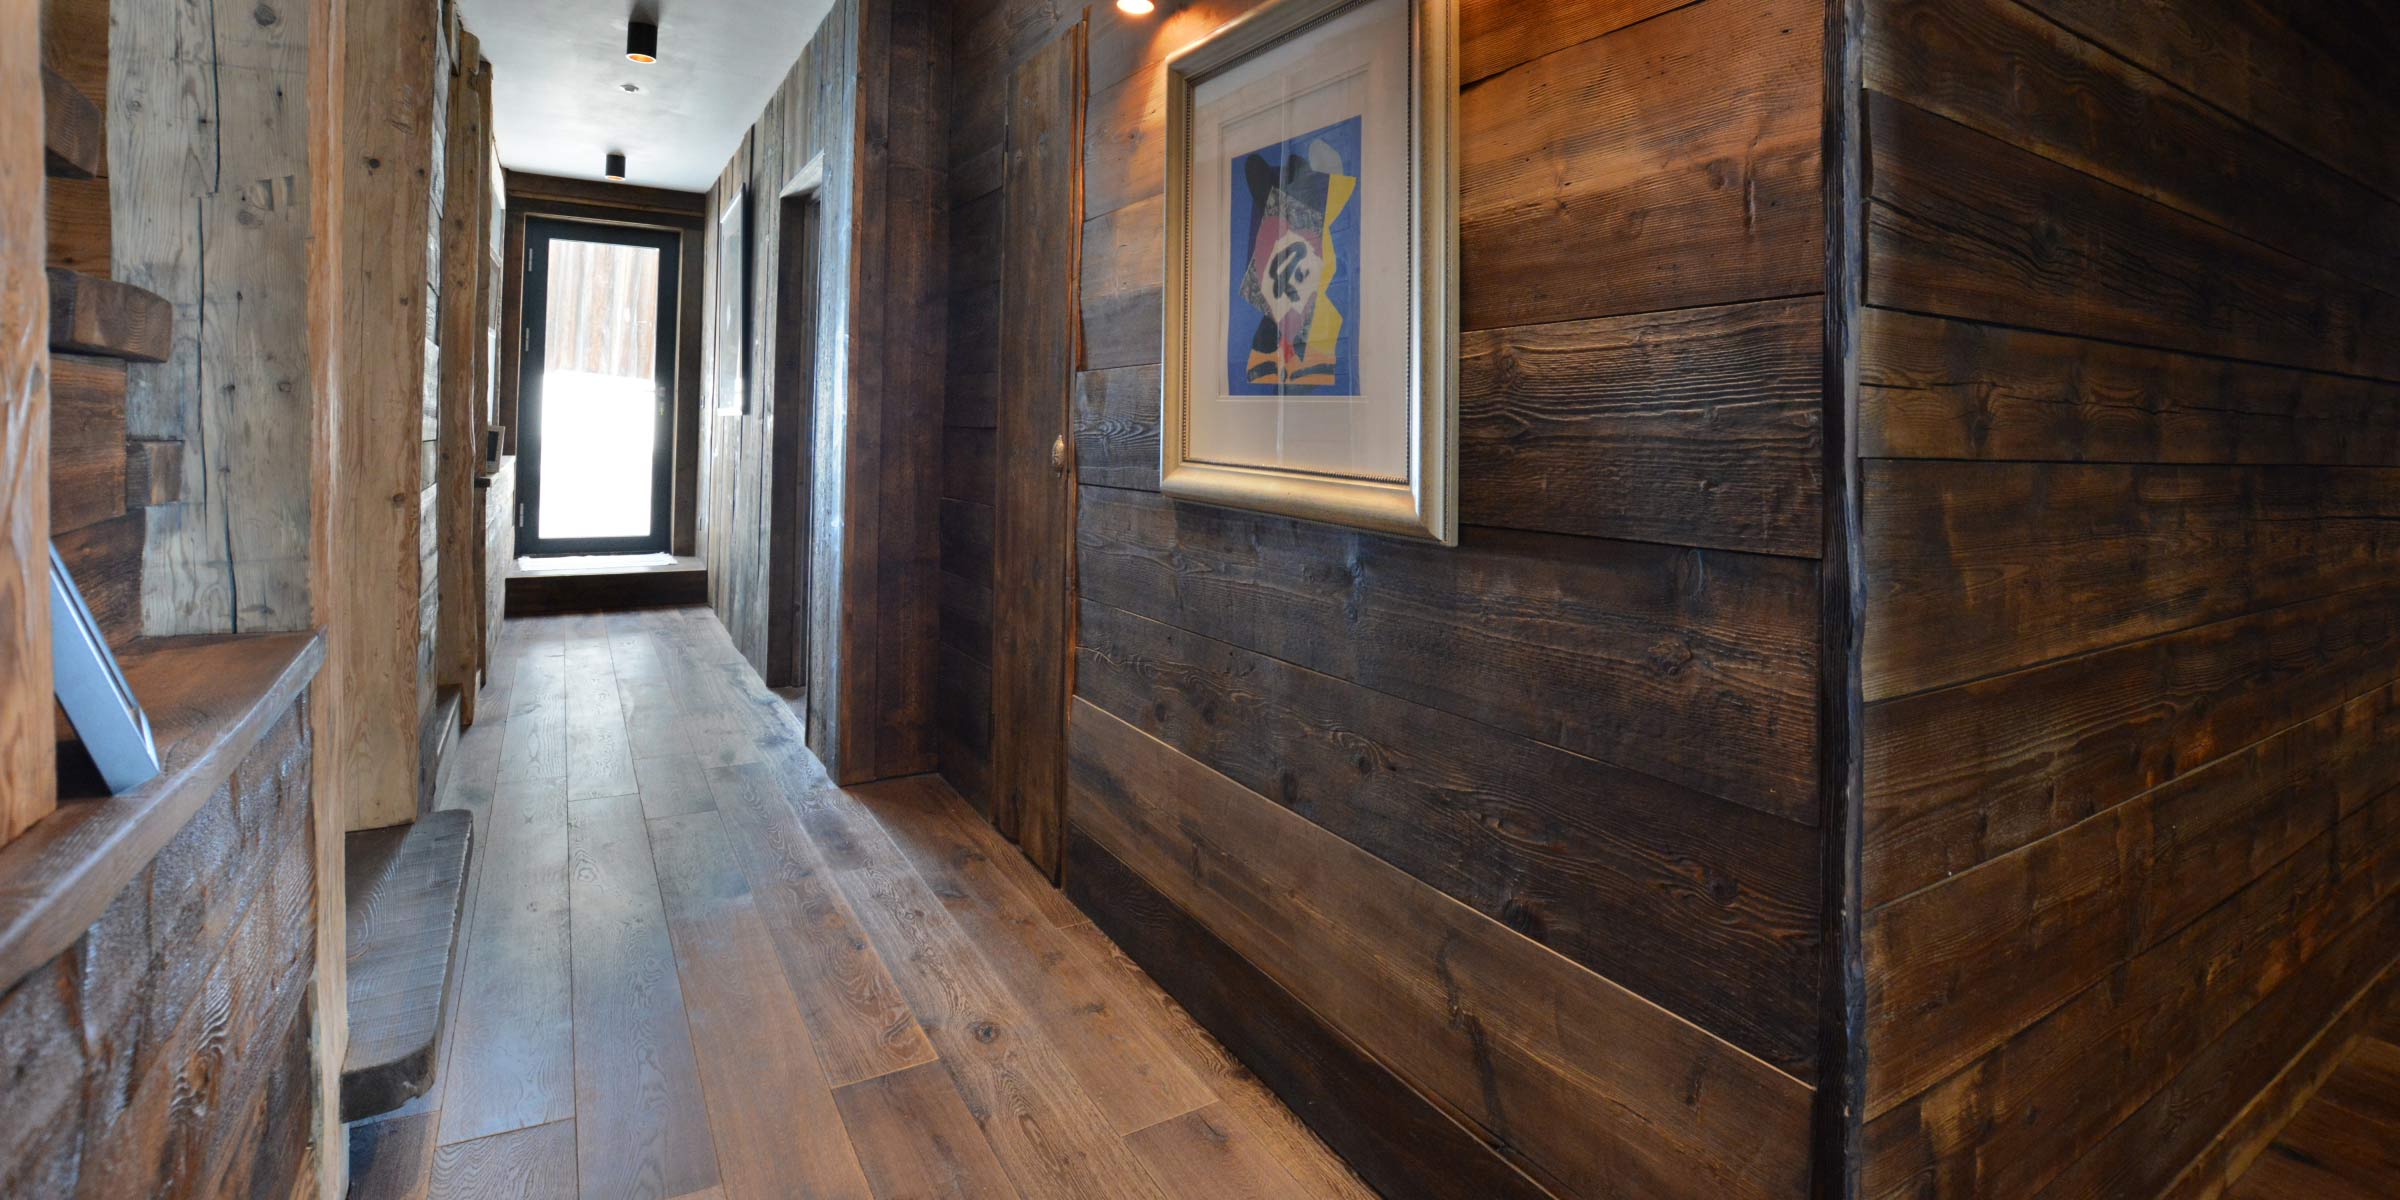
{"x": 1311, "y": 266}
{"x": 731, "y": 304}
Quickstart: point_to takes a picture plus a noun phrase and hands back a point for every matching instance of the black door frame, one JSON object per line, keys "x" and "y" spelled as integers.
{"x": 539, "y": 233}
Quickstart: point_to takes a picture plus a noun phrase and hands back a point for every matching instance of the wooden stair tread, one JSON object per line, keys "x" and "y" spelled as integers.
{"x": 402, "y": 908}
{"x": 74, "y": 134}
{"x": 90, "y": 315}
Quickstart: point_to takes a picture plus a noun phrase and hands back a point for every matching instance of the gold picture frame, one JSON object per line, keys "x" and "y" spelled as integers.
{"x": 1420, "y": 502}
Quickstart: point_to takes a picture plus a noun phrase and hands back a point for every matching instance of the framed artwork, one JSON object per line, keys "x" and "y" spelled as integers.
{"x": 1312, "y": 248}
{"x": 731, "y": 304}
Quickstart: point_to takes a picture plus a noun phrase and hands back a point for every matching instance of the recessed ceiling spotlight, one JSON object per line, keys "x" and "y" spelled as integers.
{"x": 641, "y": 41}
{"x": 1137, "y": 8}
{"x": 616, "y": 167}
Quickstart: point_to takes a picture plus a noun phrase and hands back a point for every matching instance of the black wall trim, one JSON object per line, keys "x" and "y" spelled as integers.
{"x": 1397, "y": 1141}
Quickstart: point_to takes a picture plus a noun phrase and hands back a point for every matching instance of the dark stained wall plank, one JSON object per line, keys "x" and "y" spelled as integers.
{"x": 1692, "y": 666}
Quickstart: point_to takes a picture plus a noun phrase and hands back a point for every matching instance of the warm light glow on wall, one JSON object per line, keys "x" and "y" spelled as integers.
{"x": 1138, "y": 8}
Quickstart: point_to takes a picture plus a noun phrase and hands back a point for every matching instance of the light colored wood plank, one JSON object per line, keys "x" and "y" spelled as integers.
{"x": 1125, "y": 1064}
{"x": 511, "y": 1059}
{"x": 391, "y": 1160}
{"x": 917, "y": 1140}
{"x": 523, "y": 1164}
{"x": 769, "y": 1104}
{"x": 862, "y": 1022}
{"x": 28, "y": 766}
{"x": 641, "y": 1122}
{"x": 1048, "y": 1133}
{"x": 535, "y": 746}
{"x": 1243, "y": 1100}
{"x": 1206, "y": 1155}
{"x": 672, "y": 785}
{"x": 599, "y": 762}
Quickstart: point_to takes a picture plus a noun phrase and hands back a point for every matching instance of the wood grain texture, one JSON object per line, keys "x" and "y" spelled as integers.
{"x": 639, "y": 1112}
{"x": 1459, "y": 1006}
{"x": 525, "y": 1164}
{"x": 1690, "y": 666}
{"x": 74, "y": 133}
{"x": 769, "y": 1103}
{"x": 1124, "y": 1064}
{"x": 101, "y": 316}
{"x": 1697, "y": 427}
{"x": 1399, "y": 1141}
{"x": 210, "y": 703}
{"x": 1705, "y": 907}
{"x": 510, "y": 1063}
{"x": 465, "y": 233}
{"x": 917, "y": 1140}
{"x": 28, "y": 772}
{"x": 2252, "y": 62}
{"x": 389, "y": 110}
{"x": 862, "y": 1022}
{"x": 1967, "y": 773}
{"x": 1935, "y": 388}
{"x": 1033, "y": 512}
{"x": 2010, "y": 72}
{"x": 1966, "y": 225}
{"x": 1989, "y": 567}
{"x": 87, "y": 442}
{"x": 2341, "y": 1143}
{"x": 1670, "y": 164}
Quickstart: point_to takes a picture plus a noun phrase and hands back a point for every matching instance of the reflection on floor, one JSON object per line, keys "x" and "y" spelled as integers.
{"x": 694, "y": 967}
{"x": 2344, "y": 1144}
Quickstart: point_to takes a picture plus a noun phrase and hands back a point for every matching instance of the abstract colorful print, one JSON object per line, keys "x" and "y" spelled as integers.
{"x": 1294, "y": 242}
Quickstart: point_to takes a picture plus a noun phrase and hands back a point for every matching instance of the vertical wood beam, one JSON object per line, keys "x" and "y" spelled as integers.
{"x": 386, "y": 154}
{"x": 465, "y": 242}
{"x": 28, "y": 770}
{"x": 1839, "y": 1105}
{"x": 329, "y": 753}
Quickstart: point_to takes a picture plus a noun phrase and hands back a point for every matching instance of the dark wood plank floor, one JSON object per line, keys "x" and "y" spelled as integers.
{"x": 693, "y": 967}
{"x": 2344, "y": 1144}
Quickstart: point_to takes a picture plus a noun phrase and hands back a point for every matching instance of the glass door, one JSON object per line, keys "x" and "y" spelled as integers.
{"x": 596, "y": 394}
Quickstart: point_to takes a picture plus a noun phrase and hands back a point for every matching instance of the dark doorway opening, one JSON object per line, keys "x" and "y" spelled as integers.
{"x": 596, "y": 389}
{"x": 789, "y": 443}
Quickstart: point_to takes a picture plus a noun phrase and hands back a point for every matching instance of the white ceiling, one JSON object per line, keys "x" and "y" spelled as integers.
{"x": 559, "y": 104}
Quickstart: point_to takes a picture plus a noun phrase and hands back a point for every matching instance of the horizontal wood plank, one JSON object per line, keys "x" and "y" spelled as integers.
{"x": 1989, "y": 567}
{"x": 2001, "y": 68}
{"x": 1959, "y": 967}
{"x": 1697, "y": 667}
{"x": 1706, "y": 908}
{"x": 1698, "y": 427}
{"x": 1599, "y": 1090}
{"x": 1671, "y": 164}
{"x": 1961, "y": 775}
{"x": 1935, "y": 388}
{"x": 1963, "y": 224}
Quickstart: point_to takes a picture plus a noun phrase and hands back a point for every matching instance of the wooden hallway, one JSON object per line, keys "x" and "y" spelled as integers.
{"x": 694, "y": 967}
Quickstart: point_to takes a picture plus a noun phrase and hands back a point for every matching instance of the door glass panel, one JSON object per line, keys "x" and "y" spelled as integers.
{"x": 599, "y": 391}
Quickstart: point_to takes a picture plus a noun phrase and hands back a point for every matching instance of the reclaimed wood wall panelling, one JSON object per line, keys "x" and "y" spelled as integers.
{"x": 28, "y": 766}
{"x": 1299, "y": 660}
{"x": 861, "y": 97}
{"x": 389, "y": 102}
{"x": 205, "y": 206}
{"x": 164, "y": 1053}
{"x": 2128, "y": 837}
{"x": 466, "y": 236}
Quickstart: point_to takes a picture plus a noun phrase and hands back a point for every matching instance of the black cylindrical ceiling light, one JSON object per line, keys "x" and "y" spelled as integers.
{"x": 641, "y": 41}
{"x": 616, "y": 167}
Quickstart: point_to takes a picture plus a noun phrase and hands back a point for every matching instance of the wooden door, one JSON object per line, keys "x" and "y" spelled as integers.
{"x": 1033, "y": 514}
{"x": 795, "y": 366}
